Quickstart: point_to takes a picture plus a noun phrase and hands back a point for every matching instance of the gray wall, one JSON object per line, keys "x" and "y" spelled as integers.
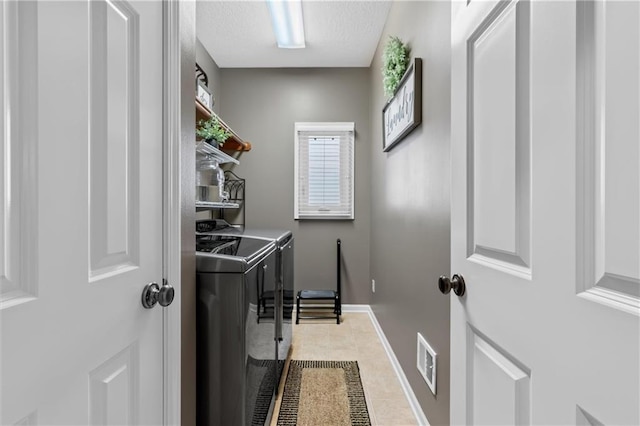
{"x": 410, "y": 213}
{"x": 262, "y": 105}
{"x": 210, "y": 67}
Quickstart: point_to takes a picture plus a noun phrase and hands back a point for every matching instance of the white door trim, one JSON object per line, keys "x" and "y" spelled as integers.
{"x": 171, "y": 210}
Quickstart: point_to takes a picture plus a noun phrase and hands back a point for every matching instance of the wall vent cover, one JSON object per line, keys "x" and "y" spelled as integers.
{"x": 427, "y": 363}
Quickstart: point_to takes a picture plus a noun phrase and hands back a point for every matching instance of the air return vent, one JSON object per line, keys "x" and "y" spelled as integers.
{"x": 427, "y": 363}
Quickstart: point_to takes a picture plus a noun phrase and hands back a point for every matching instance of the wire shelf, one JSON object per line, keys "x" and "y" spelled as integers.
{"x": 205, "y": 148}
{"x": 234, "y": 185}
{"x": 216, "y": 205}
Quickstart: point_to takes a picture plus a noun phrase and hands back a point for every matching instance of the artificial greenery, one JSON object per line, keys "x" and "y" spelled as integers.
{"x": 395, "y": 60}
{"x": 211, "y": 130}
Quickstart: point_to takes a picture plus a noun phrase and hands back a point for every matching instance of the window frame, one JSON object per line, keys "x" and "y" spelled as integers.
{"x": 322, "y": 127}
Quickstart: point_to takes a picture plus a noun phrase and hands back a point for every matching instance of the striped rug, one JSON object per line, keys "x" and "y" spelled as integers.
{"x": 323, "y": 393}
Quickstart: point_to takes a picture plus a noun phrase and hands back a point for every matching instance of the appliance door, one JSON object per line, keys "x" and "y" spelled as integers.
{"x": 220, "y": 348}
{"x": 260, "y": 361}
{"x": 285, "y": 303}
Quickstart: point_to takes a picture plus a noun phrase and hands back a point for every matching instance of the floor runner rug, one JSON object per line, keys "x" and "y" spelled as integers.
{"x": 323, "y": 393}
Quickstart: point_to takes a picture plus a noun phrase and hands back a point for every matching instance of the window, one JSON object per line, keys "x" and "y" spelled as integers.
{"x": 324, "y": 158}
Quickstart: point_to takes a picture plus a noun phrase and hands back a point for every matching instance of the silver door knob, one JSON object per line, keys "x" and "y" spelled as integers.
{"x": 456, "y": 284}
{"x": 153, "y": 293}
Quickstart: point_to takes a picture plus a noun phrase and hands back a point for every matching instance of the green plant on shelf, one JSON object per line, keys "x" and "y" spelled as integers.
{"x": 395, "y": 59}
{"x": 212, "y": 131}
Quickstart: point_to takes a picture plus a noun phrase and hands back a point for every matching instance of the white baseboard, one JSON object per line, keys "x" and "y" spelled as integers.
{"x": 411, "y": 397}
{"x": 364, "y": 309}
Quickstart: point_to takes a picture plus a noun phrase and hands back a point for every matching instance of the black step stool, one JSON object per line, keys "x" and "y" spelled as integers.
{"x": 310, "y": 298}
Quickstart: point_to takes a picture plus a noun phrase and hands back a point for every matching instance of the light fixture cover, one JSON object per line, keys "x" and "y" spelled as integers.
{"x": 288, "y": 26}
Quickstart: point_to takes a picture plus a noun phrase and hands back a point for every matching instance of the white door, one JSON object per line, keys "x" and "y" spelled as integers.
{"x": 545, "y": 212}
{"x": 80, "y": 220}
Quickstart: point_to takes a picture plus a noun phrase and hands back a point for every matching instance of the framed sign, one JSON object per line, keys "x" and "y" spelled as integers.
{"x": 203, "y": 94}
{"x": 403, "y": 112}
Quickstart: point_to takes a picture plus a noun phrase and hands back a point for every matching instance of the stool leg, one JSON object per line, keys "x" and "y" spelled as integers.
{"x": 298, "y": 309}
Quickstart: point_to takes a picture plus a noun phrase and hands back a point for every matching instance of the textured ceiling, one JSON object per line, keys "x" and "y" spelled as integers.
{"x": 238, "y": 33}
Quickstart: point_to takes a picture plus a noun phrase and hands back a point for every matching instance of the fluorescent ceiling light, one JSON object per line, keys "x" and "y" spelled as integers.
{"x": 286, "y": 17}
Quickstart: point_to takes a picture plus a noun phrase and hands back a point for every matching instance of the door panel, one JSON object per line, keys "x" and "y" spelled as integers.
{"x": 545, "y": 96}
{"x": 31, "y": 419}
{"x": 499, "y": 387}
{"x": 608, "y": 39}
{"x": 19, "y": 154}
{"x": 112, "y": 387}
{"x": 499, "y": 140}
{"x": 586, "y": 419}
{"x": 114, "y": 140}
{"x": 82, "y": 202}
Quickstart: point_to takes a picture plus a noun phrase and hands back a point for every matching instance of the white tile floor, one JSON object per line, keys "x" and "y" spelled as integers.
{"x": 355, "y": 339}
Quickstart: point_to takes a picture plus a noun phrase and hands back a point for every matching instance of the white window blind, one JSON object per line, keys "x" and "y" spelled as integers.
{"x": 324, "y": 159}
